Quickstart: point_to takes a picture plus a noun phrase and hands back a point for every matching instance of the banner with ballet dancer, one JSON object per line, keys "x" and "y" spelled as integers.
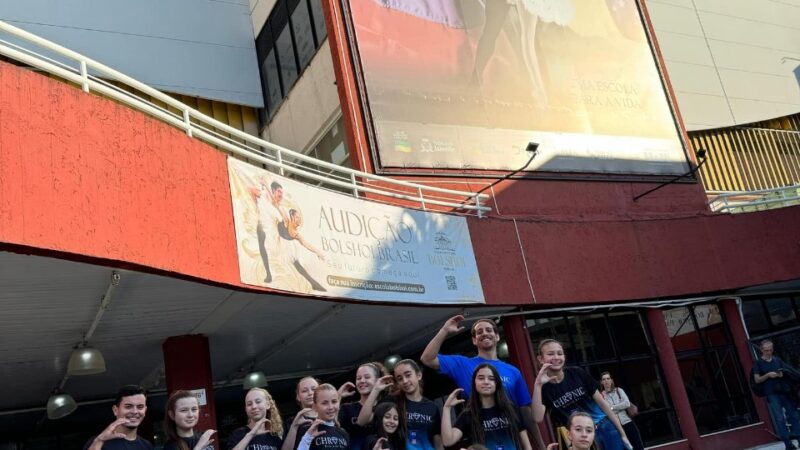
{"x": 467, "y": 84}
{"x": 299, "y": 238}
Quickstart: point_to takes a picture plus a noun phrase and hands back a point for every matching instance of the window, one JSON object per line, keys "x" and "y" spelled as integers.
{"x": 303, "y": 34}
{"x": 714, "y": 379}
{"x": 617, "y": 342}
{"x": 319, "y": 21}
{"x": 293, "y": 33}
{"x": 332, "y": 148}
{"x": 774, "y": 318}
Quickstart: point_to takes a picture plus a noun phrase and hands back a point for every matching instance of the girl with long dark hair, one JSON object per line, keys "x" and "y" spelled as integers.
{"x": 387, "y": 429}
{"x": 490, "y": 418}
{"x": 420, "y": 420}
{"x": 183, "y": 412}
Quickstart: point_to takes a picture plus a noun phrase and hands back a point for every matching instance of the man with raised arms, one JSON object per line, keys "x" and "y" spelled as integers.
{"x": 460, "y": 368}
{"x": 129, "y": 408}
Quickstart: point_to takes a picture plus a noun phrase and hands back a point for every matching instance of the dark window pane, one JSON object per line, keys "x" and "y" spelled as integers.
{"x": 754, "y": 316}
{"x": 781, "y": 311}
{"x": 272, "y": 84}
{"x": 658, "y": 427}
{"x": 548, "y": 328}
{"x": 590, "y": 337}
{"x": 714, "y": 379}
{"x": 641, "y": 381}
{"x": 288, "y": 65}
{"x": 629, "y": 333}
{"x": 303, "y": 37}
{"x": 319, "y": 20}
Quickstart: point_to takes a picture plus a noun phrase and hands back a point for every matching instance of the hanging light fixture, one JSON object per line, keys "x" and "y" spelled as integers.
{"x": 60, "y": 405}
{"x": 391, "y": 361}
{"x": 85, "y": 360}
{"x": 254, "y": 380}
{"x": 502, "y": 349}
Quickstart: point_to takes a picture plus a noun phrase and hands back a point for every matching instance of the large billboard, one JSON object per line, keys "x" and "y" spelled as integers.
{"x": 299, "y": 238}
{"x": 468, "y": 84}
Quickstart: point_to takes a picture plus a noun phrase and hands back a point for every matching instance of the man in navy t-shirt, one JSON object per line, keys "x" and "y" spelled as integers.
{"x": 129, "y": 408}
{"x": 460, "y": 368}
{"x": 769, "y": 370}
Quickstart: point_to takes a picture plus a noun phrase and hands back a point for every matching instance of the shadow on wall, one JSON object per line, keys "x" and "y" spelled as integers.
{"x": 797, "y": 74}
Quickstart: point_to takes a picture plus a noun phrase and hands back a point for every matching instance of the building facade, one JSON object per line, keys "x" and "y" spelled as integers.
{"x": 657, "y": 289}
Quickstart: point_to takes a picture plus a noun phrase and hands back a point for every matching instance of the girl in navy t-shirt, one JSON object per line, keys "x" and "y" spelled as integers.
{"x": 420, "y": 420}
{"x": 387, "y": 429}
{"x": 183, "y": 412}
{"x": 324, "y": 433}
{"x": 366, "y": 376}
{"x": 264, "y": 424}
{"x": 490, "y": 418}
{"x": 562, "y": 390}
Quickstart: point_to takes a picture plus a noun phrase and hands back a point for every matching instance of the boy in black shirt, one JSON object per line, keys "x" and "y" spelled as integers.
{"x": 129, "y": 408}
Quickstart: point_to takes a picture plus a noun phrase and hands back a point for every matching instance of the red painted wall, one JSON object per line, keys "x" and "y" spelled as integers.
{"x": 83, "y": 177}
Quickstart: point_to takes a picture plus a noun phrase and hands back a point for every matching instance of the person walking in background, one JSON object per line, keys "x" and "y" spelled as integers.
{"x": 619, "y": 402}
{"x": 771, "y": 372}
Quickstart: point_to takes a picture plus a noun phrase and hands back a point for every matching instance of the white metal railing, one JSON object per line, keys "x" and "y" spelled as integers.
{"x": 748, "y": 201}
{"x": 92, "y": 76}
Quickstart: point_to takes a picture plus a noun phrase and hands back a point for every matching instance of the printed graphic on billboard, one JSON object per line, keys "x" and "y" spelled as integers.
{"x": 299, "y": 238}
{"x": 467, "y": 84}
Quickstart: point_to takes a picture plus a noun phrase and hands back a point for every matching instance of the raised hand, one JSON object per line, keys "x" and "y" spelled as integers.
{"x": 379, "y": 444}
{"x": 261, "y": 426}
{"x": 301, "y": 418}
{"x": 347, "y": 390}
{"x": 111, "y": 431}
{"x": 205, "y": 440}
{"x": 383, "y": 383}
{"x": 543, "y": 377}
{"x": 314, "y": 430}
{"x": 453, "y": 400}
{"x": 453, "y": 324}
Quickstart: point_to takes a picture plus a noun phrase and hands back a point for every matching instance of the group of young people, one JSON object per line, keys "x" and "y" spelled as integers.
{"x": 497, "y": 411}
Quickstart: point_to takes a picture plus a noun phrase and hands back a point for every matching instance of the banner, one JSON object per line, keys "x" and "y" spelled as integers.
{"x": 468, "y": 84}
{"x": 298, "y": 238}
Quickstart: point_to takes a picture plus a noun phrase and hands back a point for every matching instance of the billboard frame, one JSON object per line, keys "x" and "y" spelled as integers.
{"x": 361, "y": 128}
